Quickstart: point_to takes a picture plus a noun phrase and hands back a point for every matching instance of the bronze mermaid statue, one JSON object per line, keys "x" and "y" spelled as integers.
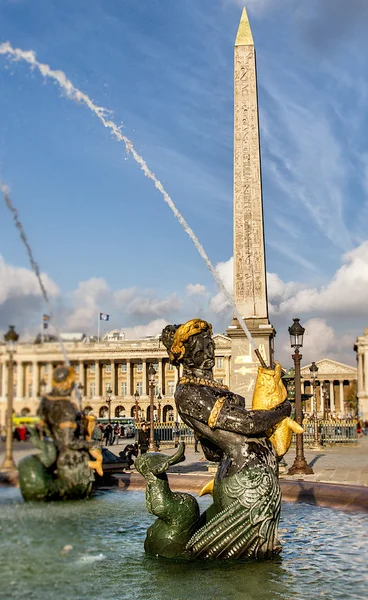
{"x": 64, "y": 469}
{"x": 243, "y": 519}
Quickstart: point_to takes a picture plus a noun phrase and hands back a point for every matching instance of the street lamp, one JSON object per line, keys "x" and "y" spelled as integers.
{"x": 136, "y": 396}
{"x": 313, "y": 369}
{"x": 151, "y": 385}
{"x": 159, "y": 398}
{"x": 8, "y": 465}
{"x": 300, "y": 465}
{"x": 108, "y": 399}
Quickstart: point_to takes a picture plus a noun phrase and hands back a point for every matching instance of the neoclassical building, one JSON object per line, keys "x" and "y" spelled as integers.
{"x": 361, "y": 349}
{"x": 335, "y": 383}
{"x": 115, "y": 363}
{"x": 122, "y": 365}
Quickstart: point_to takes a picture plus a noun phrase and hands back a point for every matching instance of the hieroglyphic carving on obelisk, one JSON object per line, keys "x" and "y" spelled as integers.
{"x": 250, "y": 291}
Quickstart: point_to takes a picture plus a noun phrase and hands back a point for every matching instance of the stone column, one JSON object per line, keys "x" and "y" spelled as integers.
{"x": 160, "y": 375}
{"x": 366, "y": 371}
{"x": 49, "y": 377}
{"x": 321, "y": 400}
{"x": 302, "y": 386}
{"x": 129, "y": 378}
{"x": 227, "y": 371}
{"x": 332, "y": 397}
{"x": 341, "y": 390}
{"x": 35, "y": 379}
{"x": 20, "y": 379}
{"x": 82, "y": 377}
{"x": 97, "y": 378}
{"x": 360, "y": 373}
{"x": 113, "y": 377}
{"x": 144, "y": 389}
{"x": 2, "y": 380}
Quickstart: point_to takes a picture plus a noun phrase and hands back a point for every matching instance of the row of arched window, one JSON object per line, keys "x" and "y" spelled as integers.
{"x": 167, "y": 412}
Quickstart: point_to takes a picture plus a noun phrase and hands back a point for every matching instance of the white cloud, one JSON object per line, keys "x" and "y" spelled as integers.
{"x": 18, "y": 282}
{"x": 87, "y": 301}
{"x": 320, "y": 340}
{"x": 140, "y": 331}
{"x": 94, "y": 295}
{"x": 143, "y": 306}
{"x": 21, "y": 301}
{"x": 219, "y": 304}
{"x": 346, "y": 293}
{"x": 196, "y": 289}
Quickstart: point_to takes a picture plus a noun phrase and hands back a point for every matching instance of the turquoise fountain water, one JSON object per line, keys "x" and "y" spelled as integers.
{"x": 324, "y": 555}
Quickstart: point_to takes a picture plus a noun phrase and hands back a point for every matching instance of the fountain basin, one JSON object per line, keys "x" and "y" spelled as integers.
{"x": 94, "y": 549}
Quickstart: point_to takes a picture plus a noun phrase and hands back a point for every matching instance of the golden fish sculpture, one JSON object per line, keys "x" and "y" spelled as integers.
{"x": 270, "y": 391}
{"x": 89, "y": 424}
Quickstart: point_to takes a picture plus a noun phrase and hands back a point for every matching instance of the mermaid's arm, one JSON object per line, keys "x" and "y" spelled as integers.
{"x": 250, "y": 422}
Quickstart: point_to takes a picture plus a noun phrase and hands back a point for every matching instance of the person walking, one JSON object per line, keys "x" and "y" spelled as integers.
{"x": 143, "y": 439}
{"x": 108, "y": 434}
{"x": 116, "y": 433}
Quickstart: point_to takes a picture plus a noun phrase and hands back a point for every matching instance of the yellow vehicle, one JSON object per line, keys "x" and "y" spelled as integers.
{"x": 25, "y": 421}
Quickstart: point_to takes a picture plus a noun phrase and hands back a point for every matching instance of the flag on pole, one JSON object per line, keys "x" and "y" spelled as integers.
{"x": 45, "y": 320}
{"x": 104, "y": 317}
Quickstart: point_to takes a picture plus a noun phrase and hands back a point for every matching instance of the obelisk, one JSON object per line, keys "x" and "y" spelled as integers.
{"x": 250, "y": 288}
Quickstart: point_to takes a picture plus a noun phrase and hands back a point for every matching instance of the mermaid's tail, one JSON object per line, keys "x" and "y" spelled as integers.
{"x": 246, "y": 528}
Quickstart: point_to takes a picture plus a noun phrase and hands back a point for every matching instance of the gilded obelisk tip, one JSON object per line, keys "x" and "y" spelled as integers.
{"x": 244, "y": 36}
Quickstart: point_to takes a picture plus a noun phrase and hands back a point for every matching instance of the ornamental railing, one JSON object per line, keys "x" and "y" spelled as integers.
{"x": 331, "y": 432}
{"x": 171, "y": 433}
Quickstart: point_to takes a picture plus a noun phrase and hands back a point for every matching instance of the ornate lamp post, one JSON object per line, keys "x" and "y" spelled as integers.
{"x": 80, "y": 389}
{"x": 136, "y": 396}
{"x": 8, "y": 465}
{"x": 151, "y": 384}
{"x": 300, "y": 465}
{"x": 108, "y": 399}
{"x": 159, "y": 398}
{"x": 313, "y": 373}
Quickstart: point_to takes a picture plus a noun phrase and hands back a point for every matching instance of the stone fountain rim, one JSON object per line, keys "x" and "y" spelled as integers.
{"x": 350, "y": 498}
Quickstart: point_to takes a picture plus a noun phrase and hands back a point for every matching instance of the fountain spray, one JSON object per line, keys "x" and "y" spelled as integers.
{"x": 102, "y": 114}
{"x": 19, "y": 225}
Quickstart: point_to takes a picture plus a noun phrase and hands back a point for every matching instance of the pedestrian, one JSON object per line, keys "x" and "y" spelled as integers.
{"x": 108, "y": 434}
{"x": 122, "y": 431}
{"x": 143, "y": 439}
{"x": 22, "y": 432}
{"x": 196, "y": 440}
{"x": 176, "y": 435}
{"x": 116, "y": 433}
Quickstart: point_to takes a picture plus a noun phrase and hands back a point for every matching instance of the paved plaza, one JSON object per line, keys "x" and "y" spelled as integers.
{"x": 345, "y": 464}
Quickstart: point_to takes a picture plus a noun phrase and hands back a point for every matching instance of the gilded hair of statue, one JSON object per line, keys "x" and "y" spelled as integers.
{"x": 63, "y": 379}
{"x": 182, "y": 335}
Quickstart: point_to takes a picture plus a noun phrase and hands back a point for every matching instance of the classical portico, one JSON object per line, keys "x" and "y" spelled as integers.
{"x": 361, "y": 349}
{"x": 334, "y": 385}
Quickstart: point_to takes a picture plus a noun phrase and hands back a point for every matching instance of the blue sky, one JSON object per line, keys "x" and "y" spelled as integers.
{"x": 98, "y": 227}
